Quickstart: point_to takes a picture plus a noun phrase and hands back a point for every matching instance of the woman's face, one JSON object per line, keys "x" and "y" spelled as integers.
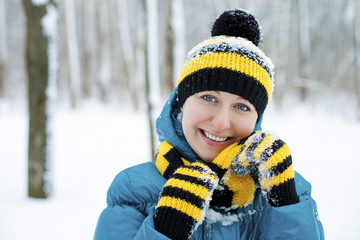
{"x": 213, "y": 120}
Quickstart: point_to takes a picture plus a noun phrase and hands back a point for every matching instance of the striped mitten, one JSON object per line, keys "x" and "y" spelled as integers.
{"x": 271, "y": 157}
{"x": 186, "y": 195}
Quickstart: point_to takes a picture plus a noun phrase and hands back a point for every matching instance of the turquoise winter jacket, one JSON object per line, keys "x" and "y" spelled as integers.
{"x": 134, "y": 193}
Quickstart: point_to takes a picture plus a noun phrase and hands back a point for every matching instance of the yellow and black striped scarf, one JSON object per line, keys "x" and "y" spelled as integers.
{"x": 233, "y": 191}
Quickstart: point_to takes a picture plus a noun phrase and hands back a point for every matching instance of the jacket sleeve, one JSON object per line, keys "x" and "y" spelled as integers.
{"x": 129, "y": 213}
{"x": 296, "y": 221}
{"x": 126, "y": 222}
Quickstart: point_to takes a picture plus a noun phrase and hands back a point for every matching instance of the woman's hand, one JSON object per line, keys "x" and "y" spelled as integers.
{"x": 270, "y": 158}
{"x": 186, "y": 195}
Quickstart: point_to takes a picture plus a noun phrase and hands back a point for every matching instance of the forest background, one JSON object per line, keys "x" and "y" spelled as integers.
{"x": 101, "y": 47}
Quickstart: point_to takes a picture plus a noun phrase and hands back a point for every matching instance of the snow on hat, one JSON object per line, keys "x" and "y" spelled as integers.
{"x": 230, "y": 61}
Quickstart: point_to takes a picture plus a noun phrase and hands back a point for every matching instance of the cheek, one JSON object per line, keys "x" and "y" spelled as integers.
{"x": 245, "y": 128}
{"x": 192, "y": 116}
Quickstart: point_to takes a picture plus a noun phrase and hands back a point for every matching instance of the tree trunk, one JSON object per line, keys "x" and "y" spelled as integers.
{"x": 73, "y": 53}
{"x": 37, "y": 73}
{"x": 148, "y": 88}
{"x": 179, "y": 41}
{"x": 305, "y": 46}
{"x": 87, "y": 43}
{"x": 105, "y": 51}
{"x": 168, "y": 75}
{"x": 3, "y": 48}
{"x": 128, "y": 49}
{"x": 153, "y": 52}
{"x": 283, "y": 49}
{"x": 356, "y": 40}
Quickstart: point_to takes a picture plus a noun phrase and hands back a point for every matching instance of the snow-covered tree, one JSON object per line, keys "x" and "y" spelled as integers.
{"x": 41, "y": 73}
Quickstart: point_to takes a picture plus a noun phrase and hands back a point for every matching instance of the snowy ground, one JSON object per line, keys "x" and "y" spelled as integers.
{"x": 92, "y": 144}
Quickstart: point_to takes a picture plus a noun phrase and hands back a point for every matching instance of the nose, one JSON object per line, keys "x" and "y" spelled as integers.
{"x": 221, "y": 119}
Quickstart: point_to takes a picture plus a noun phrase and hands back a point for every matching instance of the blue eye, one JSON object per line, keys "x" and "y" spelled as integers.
{"x": 208, "y": 98}
{"x": 242, "y": 107}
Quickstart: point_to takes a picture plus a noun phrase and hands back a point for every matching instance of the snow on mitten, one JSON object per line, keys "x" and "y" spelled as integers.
{"x": 271, "y": 157}
{"x": 186, "y": 195}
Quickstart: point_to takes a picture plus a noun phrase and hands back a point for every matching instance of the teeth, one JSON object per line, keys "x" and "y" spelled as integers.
{"x": 217, "y": 139}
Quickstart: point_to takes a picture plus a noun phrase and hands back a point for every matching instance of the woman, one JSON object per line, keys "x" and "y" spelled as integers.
{"x": 216, "y": 174}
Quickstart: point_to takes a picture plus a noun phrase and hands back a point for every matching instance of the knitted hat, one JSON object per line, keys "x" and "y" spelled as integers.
{"x": 230, "y": 61}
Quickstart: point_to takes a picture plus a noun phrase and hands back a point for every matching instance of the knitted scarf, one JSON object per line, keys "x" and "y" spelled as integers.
{"x": 232, "y": 192}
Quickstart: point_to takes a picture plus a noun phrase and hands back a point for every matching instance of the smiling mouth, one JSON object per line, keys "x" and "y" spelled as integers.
{"x": 214, "y": 138}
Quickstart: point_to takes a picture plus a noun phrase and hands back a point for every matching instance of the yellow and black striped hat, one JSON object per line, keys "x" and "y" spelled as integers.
{"x": 230, "y": 61}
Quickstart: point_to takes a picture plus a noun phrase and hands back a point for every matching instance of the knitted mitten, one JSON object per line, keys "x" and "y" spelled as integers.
{"x": 271, "y": 158}
{"x": 186, "y": 195}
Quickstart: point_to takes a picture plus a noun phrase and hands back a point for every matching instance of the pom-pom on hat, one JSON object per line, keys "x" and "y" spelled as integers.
{"x": 230, "y": 61}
